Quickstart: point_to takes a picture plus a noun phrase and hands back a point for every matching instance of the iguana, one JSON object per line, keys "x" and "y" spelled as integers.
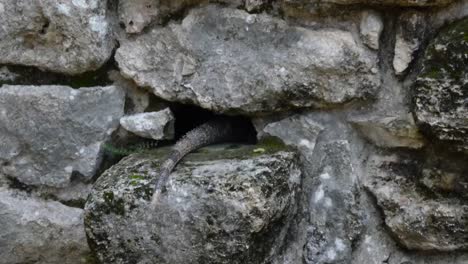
{"x": 219, "y": 129}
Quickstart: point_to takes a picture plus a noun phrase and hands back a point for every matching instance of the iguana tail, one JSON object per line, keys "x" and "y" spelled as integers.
{"x": 212, "y": 132}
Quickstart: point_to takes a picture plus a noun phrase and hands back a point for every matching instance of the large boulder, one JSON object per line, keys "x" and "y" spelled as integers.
{"x": 50, "y": 132}
{"x": 441, "y": 90}
{"x": 224, "y": 204}
{"x": 227, "y": 60}
{"x": 62, "y": 36}
{"x": 35, "y": 231}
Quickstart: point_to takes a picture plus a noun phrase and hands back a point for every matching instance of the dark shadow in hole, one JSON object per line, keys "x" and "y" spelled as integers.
{"x": 45, "y": 27}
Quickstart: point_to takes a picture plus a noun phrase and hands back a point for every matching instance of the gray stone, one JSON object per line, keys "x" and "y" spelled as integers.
{"x": 41, "y": 232}
{"x": 224, "y": 204}
{"x": 49, "y": 132}
{"x": 417, "y": 220}
{"x": 370, "y": 28}
{"x": 410, "y": 32}
{"x": 330, "y": 222}
{"x": 62, "y": 36}
{"x": 393, "y": 131}
{"x": 333, "y": 202}
{"x": 227, "y": 60}
{"x": 155, "y": 125}
{"x": 441, "y": 89}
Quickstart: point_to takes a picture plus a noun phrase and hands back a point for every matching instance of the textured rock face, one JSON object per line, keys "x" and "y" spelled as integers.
{"x": 49, "y": 132}
{"x": 372, "y": 94}
{"x": 62, "y": 36}
{"x": 390, "y": 131}
{"x": 227, "y": 60}
{"x": 156, "y": 125}
{"x": 441, "y": 90}
{"x": 330, "y": 189}
{"x": 416, "y": 219}
{"x": 40, "y": 232}
{"x": 223, "y": 205}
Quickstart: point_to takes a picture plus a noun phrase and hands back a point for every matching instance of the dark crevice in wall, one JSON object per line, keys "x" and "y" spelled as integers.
{"x": 187, "y": 117}
{"x": 29, "y": 75}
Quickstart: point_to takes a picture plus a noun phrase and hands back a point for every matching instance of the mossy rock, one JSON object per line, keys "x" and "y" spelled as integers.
{"x": 224, "y": 204}
{"x": 441, "y": 89}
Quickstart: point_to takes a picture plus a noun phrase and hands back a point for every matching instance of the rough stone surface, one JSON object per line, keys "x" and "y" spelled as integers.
{"x": 49, "y": 132}
{"x": 228, "y": 60}
{"x": 394, "y": 131}
{"x": 377, "y": 246}
{"x": 370, "y": 28}
{"x": 416, "y": 219}
{"x": 330, "y": 190}
{"x": 155, "y": 125}
{"x": 410, "y": 32}
{"x": 35, "y": 231}
{"x": 223, "y": 205}
{"x": 441, "y": 90}
{"x": 61, "y": 36}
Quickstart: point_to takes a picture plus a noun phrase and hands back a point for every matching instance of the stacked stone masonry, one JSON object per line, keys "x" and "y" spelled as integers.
{"x": 360, "y": 109}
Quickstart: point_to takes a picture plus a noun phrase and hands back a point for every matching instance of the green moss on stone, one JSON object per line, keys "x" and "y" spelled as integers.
{"x": 136, "y": 177}
{"x": 116, "y": 206}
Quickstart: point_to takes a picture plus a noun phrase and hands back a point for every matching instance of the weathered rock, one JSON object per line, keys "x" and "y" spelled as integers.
{"x": 50, "y": 132}
{"x": 441, "y": 90}
{"x": 390, "y": 131}
{"x": 334, "y": 201}
{"x": 410, "y": 32}
{"x": 377, "y": 246}
{"x": 417, "y": 220}
{"x": 330, "y": 189}
{"x": 35, "y": 231}
{"x": 223, "y": 205}
{"x": 155, "y": 125}
{"x": 370, "y": 28}
{"x": 228, "y": 60}
{"x": 61, "y": 36}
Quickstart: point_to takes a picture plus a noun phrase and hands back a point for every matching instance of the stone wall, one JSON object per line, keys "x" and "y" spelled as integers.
{"x": 372, "y": 95}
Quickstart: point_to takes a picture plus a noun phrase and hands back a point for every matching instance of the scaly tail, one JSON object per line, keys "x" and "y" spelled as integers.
{"x": 214, "y": 131}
